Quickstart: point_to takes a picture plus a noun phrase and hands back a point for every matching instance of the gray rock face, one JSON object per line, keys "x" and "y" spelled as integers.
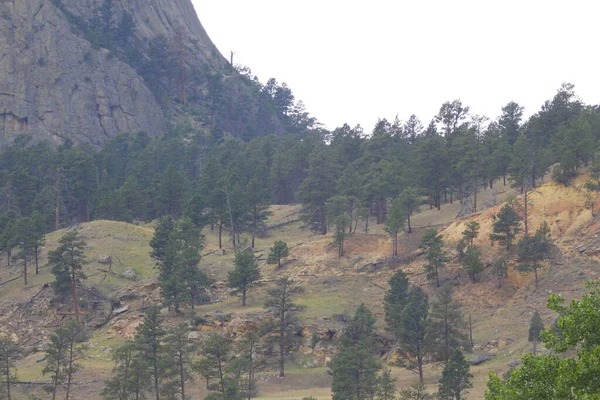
{"x": 54, "y": 85}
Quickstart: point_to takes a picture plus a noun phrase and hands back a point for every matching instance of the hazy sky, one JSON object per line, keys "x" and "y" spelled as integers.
{"x": 357, "y": 61}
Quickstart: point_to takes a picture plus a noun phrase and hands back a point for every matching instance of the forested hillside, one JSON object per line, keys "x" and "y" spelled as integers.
{"x": 223, "y": 181}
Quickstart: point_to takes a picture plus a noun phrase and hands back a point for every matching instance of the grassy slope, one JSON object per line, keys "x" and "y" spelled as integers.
{"x": 337, "y": 286}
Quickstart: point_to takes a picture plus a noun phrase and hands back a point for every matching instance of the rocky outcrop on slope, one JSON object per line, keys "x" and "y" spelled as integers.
{"x": 55, "y": 85}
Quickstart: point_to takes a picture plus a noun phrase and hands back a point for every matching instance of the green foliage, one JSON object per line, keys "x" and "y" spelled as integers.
{"x": 536, "y": 326}
{"x": 471, "y": 261}
{"x": 471, "y": 231}
{"x": 354, "y": 369}
{"x": 281, "y": 304}
{"x": 553, "y": 376}
{"x": 176, "y": 248}
{"x": 456, "y": 378}
{"x": 395, "y": 222}
{"x": 67, "y": 266}
{"x": 216, "y": 354}
{"x": 533, "y": 249}
{"x": 447, "y": 326}
{"x": 337, "y": 215}
{"x": 278, "y": 251}
{"x": 130, "y": 377}
{"x": 436, "y": 256}
{"x": 178, "y": 357}
{"x": 10, "y": 352}
{"x": 386, "y": 389}
{"x": 245, "y": 274}
{"x": 395, "y": 300}
{"x": 64, "y": 349}
{"x": 506, "y": 227}
{"x": 150, "y": 340}
{"x": 416, "y": 392}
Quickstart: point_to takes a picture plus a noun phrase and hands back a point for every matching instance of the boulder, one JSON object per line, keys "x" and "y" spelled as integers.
{"x": 130, "y": 274}
{"x": 479, "y": 359}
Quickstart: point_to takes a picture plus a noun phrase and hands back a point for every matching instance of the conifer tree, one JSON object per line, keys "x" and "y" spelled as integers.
{"x": 277, "y": 252}
{"x": 67, "y": 266}
{"x": 178, "y": 357}
{"x": 9, "y": 354}
{"x": 216, "y": 355}
{"x": 416, "y": 392}
{"x": 456, "y": 378}
{"x": 130, "y": 378}
{"x": 386, "y": 388}
{"x": 354, "y": 369}
{"x": 411, "y": 201}
{"x": 395, "y": 300}
{"x": 471, "y": 231}
{"x": 394, "y": 223}
{"x": 536, "y": 326}
{"x": 245, "y": 274}
{"x": 150, "y": 336}
{"x": 436, "y": 256}
{"x": 471, "y": 261}
{"x": 62, "y": 354}
{"x": 281, "y": 303}
{"x": 411, "y": 332}
{"x": 506, "y": 227}
{"x": 26, "y": 234}
{"x": 447, "y": 327}
{"x": 533, "y": 249}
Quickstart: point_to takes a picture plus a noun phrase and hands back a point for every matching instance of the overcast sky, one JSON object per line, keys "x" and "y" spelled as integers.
{"x": 357, "y": 61}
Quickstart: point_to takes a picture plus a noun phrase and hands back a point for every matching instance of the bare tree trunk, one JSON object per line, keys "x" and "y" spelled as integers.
{"x": 74, "y": 296}
{"x": 25, "y": 269}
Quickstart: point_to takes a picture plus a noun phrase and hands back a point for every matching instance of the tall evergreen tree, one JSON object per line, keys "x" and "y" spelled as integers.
{"x": 448, "y": 328}
{"x": 67, "y": 266}
{"x": 10, "y": 352}
{"x": 395, "y": 223}
{"x": 354, "y": 369}
{"x": 281, "y": 303}
{"x": 456, "y": 378}
{"x": 245, "y": 274}
{"x": 150, "y": 337}
{"x": 436, "y": 256}
{"x": 506, "y": 227}
{"x": 536, "y": 326}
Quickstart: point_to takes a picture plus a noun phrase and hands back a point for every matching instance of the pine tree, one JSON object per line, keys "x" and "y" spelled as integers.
{"x": 506, "y": 227}
{"x": 179, "y": 351}
{"x": 280, "y": 302}
{"x": 62, "y": 354}
{"x": 386, "y": 389}
{"x": 150, "y": 336}
{"x": 533, "y": 249}
{"x": 436, "y": 256}
{"x": 10, "y": 352}
{"x": 316, "y": 189}
{"x": 471, "y": 261}
{"x": 67, "y": 266}
{"x": 394, "y": 223}
{"x": 536, "y": 326}
{"x": 456, "y": 378}
{"x": 277, "y": 252}
{"x": 130, "y": 378}
{"x": 471, "y": 231}
{"x": 245, "y": 274}
{"x": 416, "y": 392}
{"x": 216, "y": 355}
{"x": 354, "y": 369}
{"x": 395, "y": 300}
{"x": 26, "y": 234}
{"x": 448, "y": 327}
{"x": 411, "y": 331}
{"x": 410, "y": 200}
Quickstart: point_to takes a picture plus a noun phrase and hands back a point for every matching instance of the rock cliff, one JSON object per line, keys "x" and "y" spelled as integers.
{"x": 56, "y": 85}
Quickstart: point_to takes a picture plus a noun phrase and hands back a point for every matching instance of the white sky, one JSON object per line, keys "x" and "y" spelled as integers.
{"x": 357, "y": 61}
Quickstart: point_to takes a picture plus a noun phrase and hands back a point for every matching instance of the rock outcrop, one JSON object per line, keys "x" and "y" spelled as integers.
{"x": 55, "y": 85}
